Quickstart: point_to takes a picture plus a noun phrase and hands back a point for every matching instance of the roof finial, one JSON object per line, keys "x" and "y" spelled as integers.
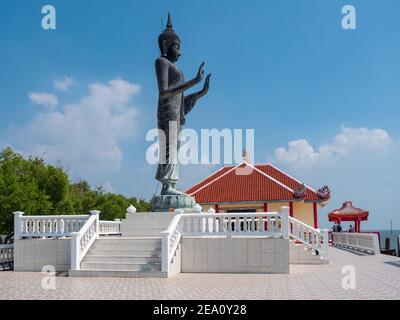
{"x": 169, "y": 22}
{"x": 245, "y": 155}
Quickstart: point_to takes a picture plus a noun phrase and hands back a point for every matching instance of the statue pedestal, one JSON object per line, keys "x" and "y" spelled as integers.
{"x": 163, "y": 203}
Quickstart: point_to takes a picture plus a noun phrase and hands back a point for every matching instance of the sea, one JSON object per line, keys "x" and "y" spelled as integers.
{"x": 393, "y": 235}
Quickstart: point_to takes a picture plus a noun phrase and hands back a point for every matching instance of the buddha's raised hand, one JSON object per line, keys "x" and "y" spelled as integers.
{"x": 200, "y": 73}
{"x": 206, "y": 84}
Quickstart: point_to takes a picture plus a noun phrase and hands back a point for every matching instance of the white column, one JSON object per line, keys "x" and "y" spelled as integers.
{"x": 18, "y": 224}
{"x": 284, "y": 211}
{"x": 97, "y": 214}
{"x": 75, "y": 251}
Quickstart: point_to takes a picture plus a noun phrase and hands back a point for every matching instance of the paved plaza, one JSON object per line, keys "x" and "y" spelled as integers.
{"x": 377, "y": 277}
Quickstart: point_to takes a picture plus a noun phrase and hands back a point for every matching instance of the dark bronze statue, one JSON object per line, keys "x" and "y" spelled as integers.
{"x": 173, "y": 106}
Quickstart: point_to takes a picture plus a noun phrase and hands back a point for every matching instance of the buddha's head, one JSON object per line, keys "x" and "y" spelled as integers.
{"x": 169, "y": 42}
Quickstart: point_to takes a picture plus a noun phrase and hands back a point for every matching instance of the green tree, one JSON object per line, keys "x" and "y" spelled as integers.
{"x": 36, "y": 188}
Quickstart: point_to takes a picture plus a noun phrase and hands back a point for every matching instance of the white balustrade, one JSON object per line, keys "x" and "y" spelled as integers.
{"x": 315, "y": 239}
{"x": 83, "y": 229}
{"x": 368, "y": 242}
{"x": 6, "y": 253}
{"x": 46, "y": 226}
{"x": 110, "y": 227}
{"x": 272, "y": 224}
{"x": 83, "y": 240}
{"x": 170, "y": 240}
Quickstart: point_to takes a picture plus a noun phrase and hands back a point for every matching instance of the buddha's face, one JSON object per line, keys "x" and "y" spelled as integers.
{"x": 174, "y": 51}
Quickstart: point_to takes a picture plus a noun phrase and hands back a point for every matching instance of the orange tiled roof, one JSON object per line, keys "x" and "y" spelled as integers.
{"x": 347, "y": 211}
{"x": 264, "y": 183}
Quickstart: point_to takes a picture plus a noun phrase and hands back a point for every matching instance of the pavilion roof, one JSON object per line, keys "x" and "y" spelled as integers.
{"x": 253, "y": 183}
{"x": 348, "y": 213}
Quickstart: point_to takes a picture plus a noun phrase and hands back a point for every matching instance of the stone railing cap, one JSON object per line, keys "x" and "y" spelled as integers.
{"x": 131, "y": 209}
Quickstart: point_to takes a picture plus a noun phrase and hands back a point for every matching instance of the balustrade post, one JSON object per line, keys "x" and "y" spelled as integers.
{"x": 75, "y": 251}
{"x": 284, "y": 212}
{"x": 97, "y": 214}
{"x": 18, "y": 227}
{"x": 377, "y": 248}
{"x": 118, "y": 225}
{"x": 325, "y": 235}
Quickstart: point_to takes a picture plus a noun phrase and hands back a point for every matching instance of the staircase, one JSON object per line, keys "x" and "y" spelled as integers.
{"x": 301, "y": 254}
{"x": 122, "y": 257}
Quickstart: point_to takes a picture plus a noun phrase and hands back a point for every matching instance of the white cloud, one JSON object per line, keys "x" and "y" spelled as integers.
{"x": 358, "y": 164}
{"x": 64, "y": 85}
{"x": 44, "y": 99}
{"x": 297, "y": 151}
{"x": 85, "y": 135}
{"x": 349, "y": 141}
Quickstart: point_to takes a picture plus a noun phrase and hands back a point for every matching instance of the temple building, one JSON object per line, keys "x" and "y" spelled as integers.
{"x": 259, "y": 188}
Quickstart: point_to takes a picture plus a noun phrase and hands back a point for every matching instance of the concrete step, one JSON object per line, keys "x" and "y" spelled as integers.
{"x": 122, "y": 244}
{"x": 127, "y": 252}
{"x": 145, "y": 224}
{"x": 117, "y": 274}
{"x": 121, "y": 259}
{"x": 113, "y": 266}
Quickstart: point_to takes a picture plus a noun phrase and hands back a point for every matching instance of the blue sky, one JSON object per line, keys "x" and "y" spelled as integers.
{"x": 323, "y": 101}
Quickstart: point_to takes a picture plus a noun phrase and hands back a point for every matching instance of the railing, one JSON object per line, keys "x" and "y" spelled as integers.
{"x": 110, "y": 227}
{"x": 368, "y": 242}
{"x": 6, "y": 255}
{"x": 271, "y": 224}
{"x": 46, "y": 226}
{"x": 83, "y": 230}
{"x": 315, "y": 239}
{"x": 83, "y": 240}
{"x": 170, "y": 241}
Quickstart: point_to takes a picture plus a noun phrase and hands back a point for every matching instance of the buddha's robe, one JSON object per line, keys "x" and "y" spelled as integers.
{"x": 171, "y": 117}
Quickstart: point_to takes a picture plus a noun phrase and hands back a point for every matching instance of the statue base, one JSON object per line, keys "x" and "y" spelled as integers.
{"x": 163, "y": 203}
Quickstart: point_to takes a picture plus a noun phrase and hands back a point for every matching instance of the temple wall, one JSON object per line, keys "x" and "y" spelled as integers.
{"x": 304, "y": 212}
{"x": 276, "y": 206}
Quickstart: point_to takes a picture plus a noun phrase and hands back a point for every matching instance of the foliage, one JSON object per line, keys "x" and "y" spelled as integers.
{"x": 36, "y": 188}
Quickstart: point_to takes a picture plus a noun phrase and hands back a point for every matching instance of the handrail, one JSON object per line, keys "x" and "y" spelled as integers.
{"x": 61, "y": 216}
{"x": 315, "y": 239}
{"x": 83, "y": 240}
{"x": 241, "y": 214}
{"x": 170, "y": 241}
